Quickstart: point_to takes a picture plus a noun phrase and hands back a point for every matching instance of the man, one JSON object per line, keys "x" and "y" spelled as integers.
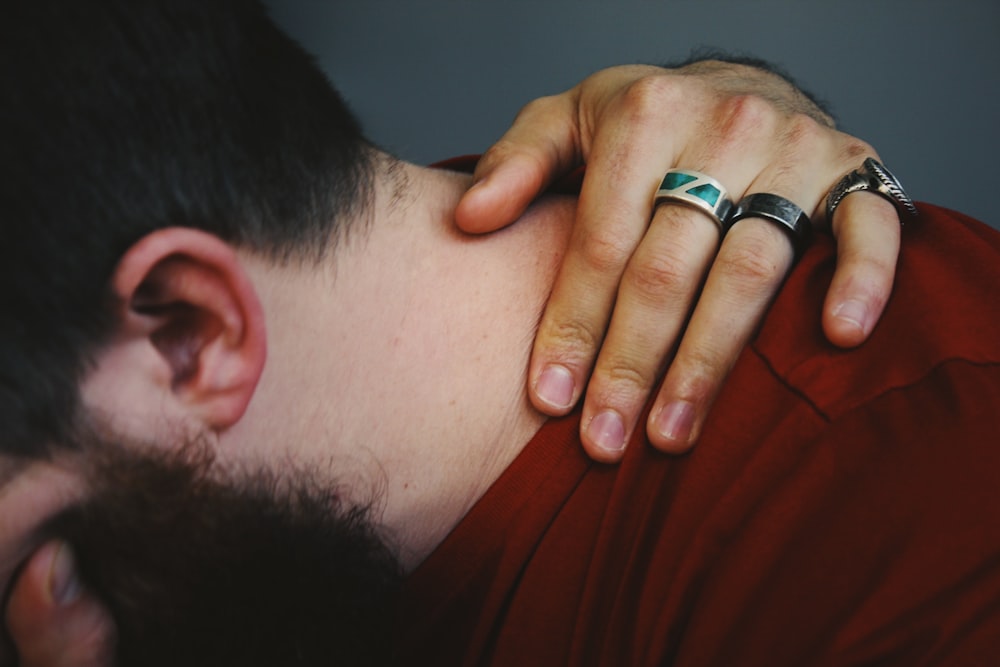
{"x": 395, "y": 354}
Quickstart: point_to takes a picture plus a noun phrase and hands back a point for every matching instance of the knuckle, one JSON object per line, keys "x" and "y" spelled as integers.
{"x": 752, "y": 262}
{"x": 745, "y": 115}
{"x": 504, "y": 148}
{"x": 804, "y": 134}
{"x": 659, "y": 275}
{"x": 646, "y": 99}
{"x": 499, "y": 152}
{"x": 854, "y": 149}
{"x": 700, "y": 369}
{"x": 571, "y": 340}
{"x": 672, "y": 268}
{"x": 604, "y": 251}
{"x": 540, "y": 105}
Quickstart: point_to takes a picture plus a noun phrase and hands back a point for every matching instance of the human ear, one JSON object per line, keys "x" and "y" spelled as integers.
{"x": 190, "y": 336}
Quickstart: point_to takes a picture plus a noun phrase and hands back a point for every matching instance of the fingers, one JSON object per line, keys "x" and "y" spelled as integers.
{"x": 627, "y": 161}
{"x": 572, "y": 328}
{"x": 660, "y": 284}
{"x": 542, "y": 144}
{"x": 654, "y": 301}
{"x": 631, "y": 126}
{"x": 743, "y": 280}
{"x": 662, "y": 279}
{"x": 51, "y": 618}
{"x": 867, "y": 228}
{"x": 751, "y": 265}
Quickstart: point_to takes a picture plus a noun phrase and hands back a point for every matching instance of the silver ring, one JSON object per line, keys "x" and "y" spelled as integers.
{"x": 792, "y": 219}
{"x": 698, "y": 190}
{"x": 872, "y": 176}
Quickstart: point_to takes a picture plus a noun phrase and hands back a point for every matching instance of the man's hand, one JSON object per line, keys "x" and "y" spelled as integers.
{"x": 678, "y": 296}
{"x": 52, "y": 620}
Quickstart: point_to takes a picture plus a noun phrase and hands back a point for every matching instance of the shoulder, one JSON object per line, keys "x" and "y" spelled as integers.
{"x": 944, "y": 310}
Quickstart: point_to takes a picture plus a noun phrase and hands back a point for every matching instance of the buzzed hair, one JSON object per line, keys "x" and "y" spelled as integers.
{"x": 125, "y": 116}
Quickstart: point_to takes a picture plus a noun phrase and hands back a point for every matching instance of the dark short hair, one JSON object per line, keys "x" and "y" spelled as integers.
{"x": 124, "y": 116}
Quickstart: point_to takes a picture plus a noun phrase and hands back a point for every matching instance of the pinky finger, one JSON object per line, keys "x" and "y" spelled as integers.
{"x": 868, "y": 235}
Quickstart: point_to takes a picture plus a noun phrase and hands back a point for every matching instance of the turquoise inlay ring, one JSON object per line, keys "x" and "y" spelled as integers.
{"x": 698, "y": 190}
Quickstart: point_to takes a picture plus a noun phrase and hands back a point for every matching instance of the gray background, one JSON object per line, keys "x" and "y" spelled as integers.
{"x": 430, "y": 79}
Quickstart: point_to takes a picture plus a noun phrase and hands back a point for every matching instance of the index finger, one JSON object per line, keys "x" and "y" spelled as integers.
{"x": 615, "y": 206}
{"x": 542, "y": 144}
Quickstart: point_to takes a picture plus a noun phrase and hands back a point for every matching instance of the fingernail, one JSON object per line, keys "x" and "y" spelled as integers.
{"x": 676, "y": 420}
{"x": 555, "y": 386}
{"x": 607, "y": 431}
{"x": 64, "y": 583}
{"x": 853, "y": 312}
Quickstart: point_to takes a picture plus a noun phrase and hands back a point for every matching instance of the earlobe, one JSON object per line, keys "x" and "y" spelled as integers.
{"x": 187, "y": 293}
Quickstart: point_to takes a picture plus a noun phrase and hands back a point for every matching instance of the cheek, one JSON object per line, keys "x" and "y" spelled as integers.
{"x": 26, "y": 502}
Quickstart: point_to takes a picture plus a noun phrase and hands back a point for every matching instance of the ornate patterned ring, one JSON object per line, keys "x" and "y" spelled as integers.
{"x": 872, "y": 176}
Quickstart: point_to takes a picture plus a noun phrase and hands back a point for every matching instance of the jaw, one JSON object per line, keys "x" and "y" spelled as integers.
{"x": 400, "y": 362}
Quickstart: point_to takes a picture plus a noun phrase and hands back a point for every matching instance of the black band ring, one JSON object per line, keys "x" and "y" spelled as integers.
{"x": 785, "y": 213}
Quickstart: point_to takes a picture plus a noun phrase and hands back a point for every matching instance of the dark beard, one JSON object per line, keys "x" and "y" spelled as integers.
{"x": 257, "y": 569}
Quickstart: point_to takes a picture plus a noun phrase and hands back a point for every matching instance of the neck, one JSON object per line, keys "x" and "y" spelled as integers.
{"x": 401, "y": 363}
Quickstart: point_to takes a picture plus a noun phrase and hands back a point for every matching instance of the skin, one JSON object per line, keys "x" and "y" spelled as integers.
{"x": 628, "y": 306}
{"x": 52, "y": 620}
{"x": 607, "y": 122}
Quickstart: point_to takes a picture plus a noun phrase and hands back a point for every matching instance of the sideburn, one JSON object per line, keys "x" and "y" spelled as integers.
{"x": 255, "y": 569}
